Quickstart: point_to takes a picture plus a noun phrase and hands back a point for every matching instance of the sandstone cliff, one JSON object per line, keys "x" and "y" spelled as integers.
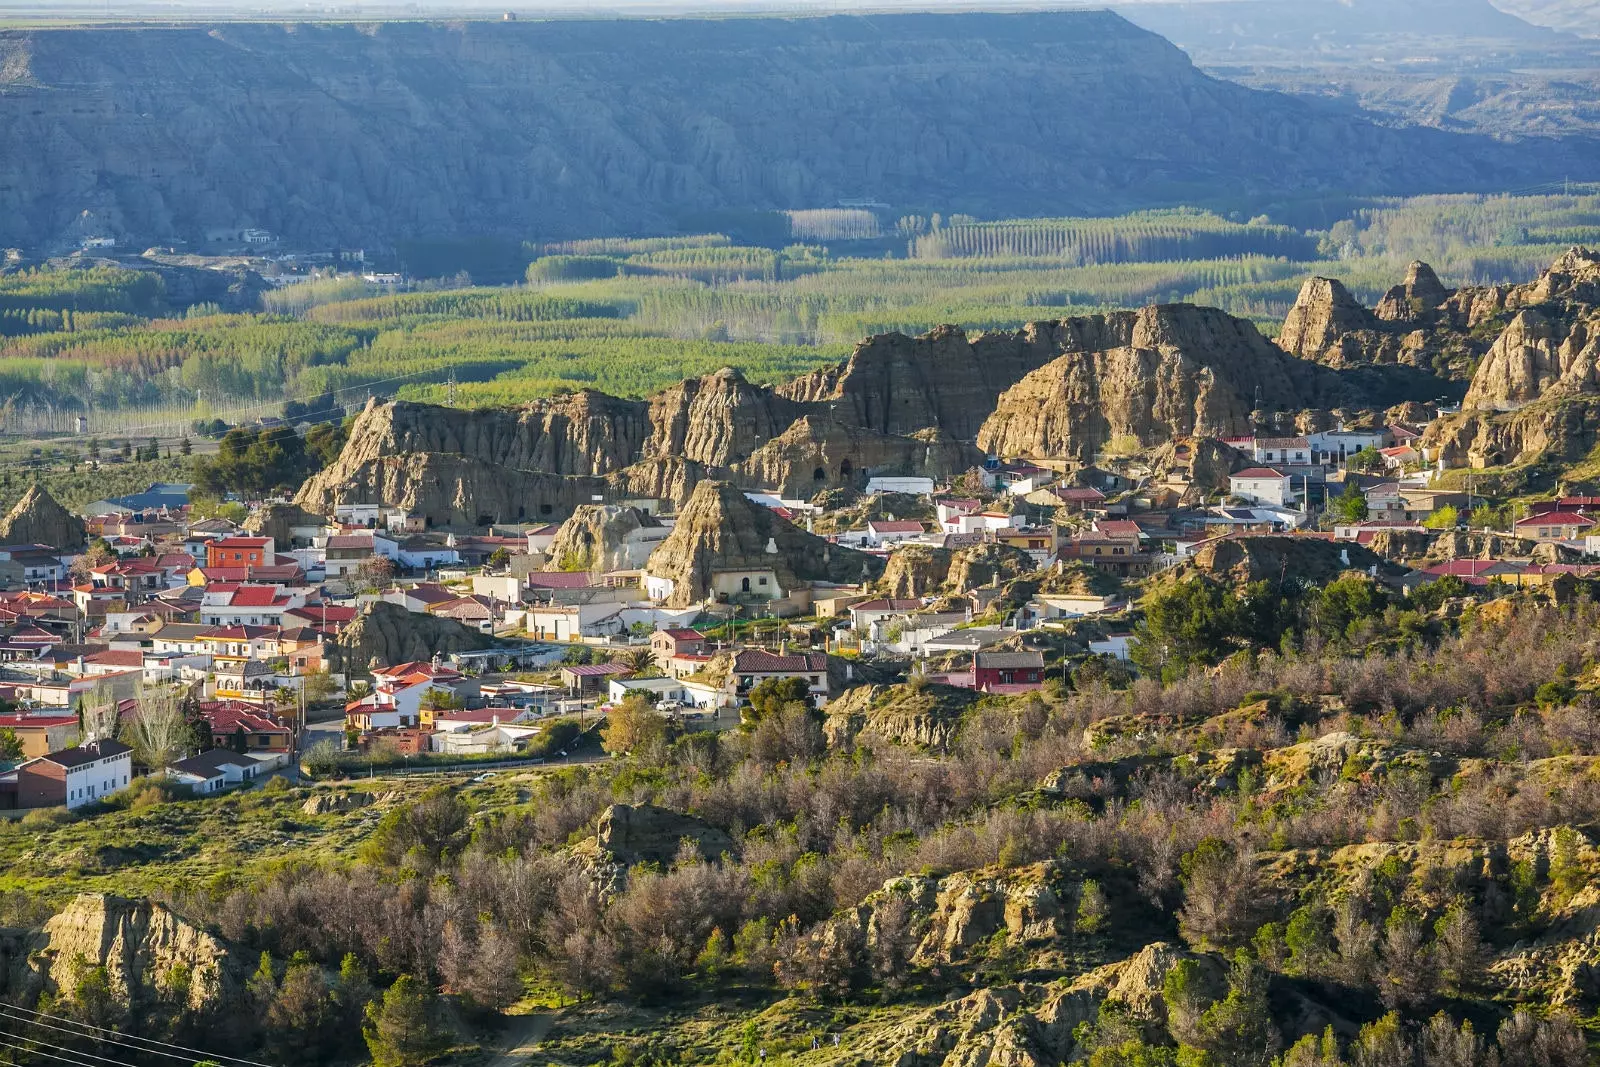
{"x": 1252, "y": 559}
{"x": 38, "y": 519}
{"x": 720, "y": 529}
{"x": 645, "y": 833}
{"x": 926, "y": 716}
{"x": 1141, "y": 378}
{"x": 141, "y": 945}
{"x": 600, "y": 538}
{"x": 385, "y": 634}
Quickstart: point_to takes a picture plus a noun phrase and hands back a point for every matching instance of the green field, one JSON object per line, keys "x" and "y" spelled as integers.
{"x": 631, "y": 316}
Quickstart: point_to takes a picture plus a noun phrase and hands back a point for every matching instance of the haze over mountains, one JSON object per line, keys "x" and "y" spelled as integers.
{"x": 334, "y": 133}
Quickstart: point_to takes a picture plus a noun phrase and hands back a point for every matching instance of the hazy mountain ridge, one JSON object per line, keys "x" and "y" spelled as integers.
{"x": 328, "y": 133}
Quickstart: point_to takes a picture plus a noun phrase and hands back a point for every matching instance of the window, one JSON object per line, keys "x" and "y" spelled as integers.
{"x": 763, "y": 581}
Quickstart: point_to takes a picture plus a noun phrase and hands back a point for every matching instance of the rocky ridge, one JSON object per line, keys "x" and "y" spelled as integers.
{"x": 658, "y": 127}
{"x": 37, "y": 519}
{"x": 385, "y": 634}
{"x": 720, "y": 529}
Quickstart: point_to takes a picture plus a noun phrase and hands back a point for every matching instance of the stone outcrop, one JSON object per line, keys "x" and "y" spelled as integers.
{"x": 602, "y": 537}
{"x": 987, "y": 564}
{"x": 644, "y": 833}
{"x": 1545, "y": 351}
{"x": 337, "y": 801}
{"x": 926, "y": 717}
{"x": 916, "y": 571}
{"x": 722, "y": 530}
{"x": 1420, "y": 294}
{"x": 1238, "y": 560}
{"x": 1562, "y": 430}
{"x": 141, "y": 945}
{"x": 278, "y": 520}
{"x": 1329, "y": 325}
{"x": 385, "y": 634}
{"x": 1138, "y": 379}
{"x": 38, "y": 519}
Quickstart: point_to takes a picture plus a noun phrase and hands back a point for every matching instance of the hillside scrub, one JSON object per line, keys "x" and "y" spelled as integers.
{"x": 1350, "y": 779}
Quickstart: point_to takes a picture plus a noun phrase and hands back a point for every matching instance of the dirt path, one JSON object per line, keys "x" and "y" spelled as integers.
{"x": 521, "y": 1039}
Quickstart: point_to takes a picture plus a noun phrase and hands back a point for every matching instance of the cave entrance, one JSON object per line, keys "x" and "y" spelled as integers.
{"x": 845, "y": 470}
{"x": 819, "y": 475}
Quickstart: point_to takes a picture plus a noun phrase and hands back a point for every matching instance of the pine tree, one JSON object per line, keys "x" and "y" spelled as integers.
{"x": 400, "y": 1029}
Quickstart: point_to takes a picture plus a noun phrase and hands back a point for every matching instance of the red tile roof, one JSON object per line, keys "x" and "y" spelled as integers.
{"x": 558, "y": 580}
{"x": 760, "y": 661}
{"x": 254, "y": 596}
{"x": 240, "y": 542}
{"x": 895, "y": 527}
{"x": 116, "y": 659}
{"x": 1259, "y": 472}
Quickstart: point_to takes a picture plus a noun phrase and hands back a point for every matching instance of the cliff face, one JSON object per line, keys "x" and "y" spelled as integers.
{"x": 364, "y": 134}
{"x": 1536, "y": 392}
{"x": 720, "y": 529}
{"x": 140, "y": 944}
{"x": 385, "y": 634}
{"x": 1148, "y": 376}
{"x": 38, "y": 519}
{"x": 598, "y": 538}
{"x": 898, "y": 406}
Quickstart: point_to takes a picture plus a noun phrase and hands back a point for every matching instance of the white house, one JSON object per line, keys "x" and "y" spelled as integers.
{"x": 214, "y": 771}
{"x": 1112, "y": 645}
{"x": 660, "y": 689}
{"x": 77, "y": 776}
{"x": 884, "y": 532}
{"x": 1337, "y": 447}
{"x": 908, "y": 486}
{"x": 1261, "y": 485}
{"x": 1048, "y": 606}
{"x": 1288, "y": 450}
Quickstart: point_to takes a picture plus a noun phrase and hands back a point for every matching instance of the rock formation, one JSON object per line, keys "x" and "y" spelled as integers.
{"x": 987, "y": 564}
{"x": 1238, "y": 560}
{"x": 277, "y": 520}
{"x": 38, "y": 519}
{"x": 644, "y": 833}
{"x": 140, "y": 944}
{"x": 925, "y": 716}
{"x": 916, "y": 571}
{"x": 1140, "y": 378}
{"x": 720, "y": 529}
{"x": 386, "y": 634}
{"x": 1415, "y": 298}
{"x": 602, "y": 537}
{"x": 1329, "y": 325}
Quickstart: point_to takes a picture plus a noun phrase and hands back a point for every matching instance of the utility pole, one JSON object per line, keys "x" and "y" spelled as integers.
{"x": 452, "y": 388}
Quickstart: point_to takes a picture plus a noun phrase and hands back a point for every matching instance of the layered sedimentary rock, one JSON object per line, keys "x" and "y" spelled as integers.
{"x": 1536, "y": 392}
{"x": 1145, "y": 377}
{"x": 721, "y": 530}
{"x": 38, "y": 520}
{"x": 600, "y": 538}
{"x": 926, "y": 406}
{"x": 385, "y": 634}
{"x": 140, "y": 945}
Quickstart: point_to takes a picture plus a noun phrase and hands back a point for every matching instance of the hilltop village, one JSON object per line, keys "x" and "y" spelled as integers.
{"x": 979, "y": 515}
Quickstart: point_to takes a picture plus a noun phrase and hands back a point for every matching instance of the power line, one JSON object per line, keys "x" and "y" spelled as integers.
{"x": 36, "y": 1052}
{"x": 187, "y": 1058}
{"x": 64, "y": 1048}
{"x": 117, "y": 1035}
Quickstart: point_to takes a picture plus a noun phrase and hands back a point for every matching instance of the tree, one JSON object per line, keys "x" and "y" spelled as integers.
{"x": 1445, "y": 518}
{"x": 637, "y": 660}
{"x": 10, "y": 746}
{"x": 376, "y": 571}
{"x": 318, "y": 685}
{"x": 770, "y": 694}
{"x": 157, "y": 731}
{"x": 632, "y": 725}
{"x": 1222, "y": 895}
{"x": 400, "y": 1030}
{"x": 1458, "y": 948}
{"x": 1368, "y": 459}
{"x": 1093, "y": 908}
{"x": 1351, "y": 505}
{"x": 1237, "y": 1031}
{"x": 185, "y": 448}
{"x": 498, "y": 560}
{"x": 94, "y": 449}
{"x": 98, "y": 714}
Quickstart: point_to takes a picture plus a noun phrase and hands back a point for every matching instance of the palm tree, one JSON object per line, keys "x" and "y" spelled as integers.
{"x": 637, "y": 660}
